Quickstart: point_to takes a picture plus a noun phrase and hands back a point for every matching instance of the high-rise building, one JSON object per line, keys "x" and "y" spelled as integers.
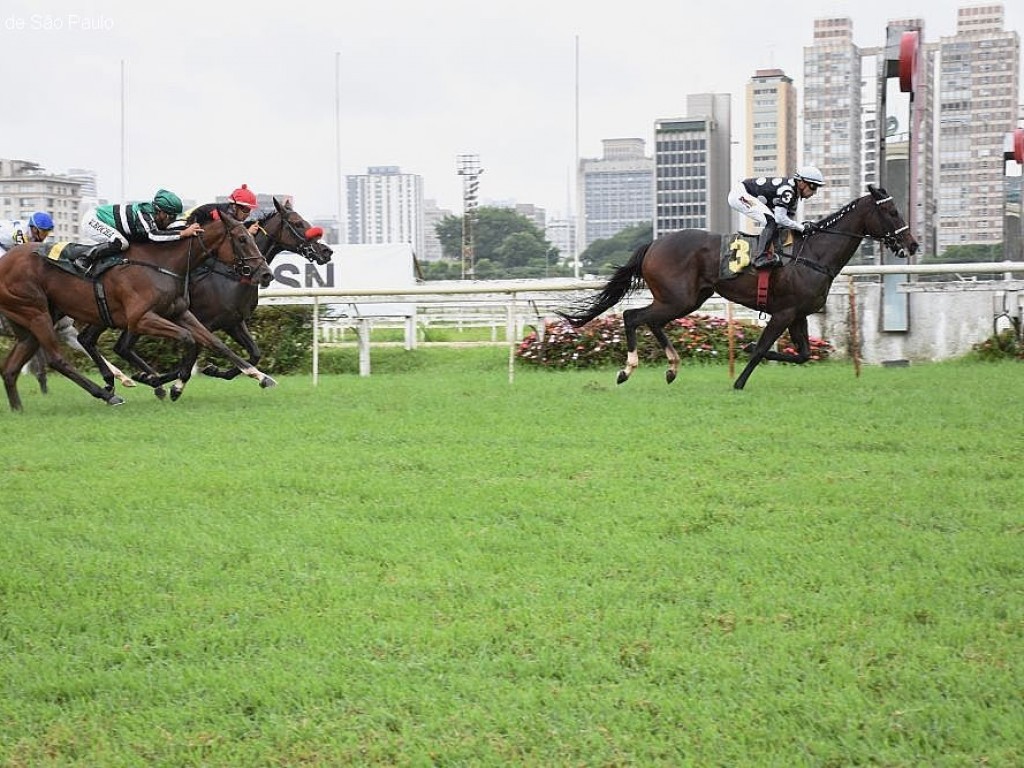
{"x": 26, "y": 187}
{"x": 833, "y": 115}
{"x": 432, "y": 216}
{"x": 561, "y": 233}
{"x": 978, "y": 98}
{"x": 386, "y": 206}
{"x": 771, "y": 124}
{"x": 693, "y": 168}
{"x": 616, "y": 191}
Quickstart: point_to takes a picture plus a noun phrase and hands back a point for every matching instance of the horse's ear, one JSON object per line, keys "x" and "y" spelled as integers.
{"x": 277, "y": 204}
{"x": 877, "y": 192}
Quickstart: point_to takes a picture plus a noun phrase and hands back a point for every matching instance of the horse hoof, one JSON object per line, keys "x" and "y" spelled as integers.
{"x": 749, "y": 348}
{"x": 622, "y": 377}
{"x": 670, "y": 376}
{"x": 115, "y": 400}
{"x": 176, "y": 392}
{"x": 160, "y": 393}
{"x": 211, "y": 370}
{"x": 267, "y": 382}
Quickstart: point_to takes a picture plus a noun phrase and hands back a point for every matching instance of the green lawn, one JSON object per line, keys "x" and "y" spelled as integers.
{"x": 432, "y": 566}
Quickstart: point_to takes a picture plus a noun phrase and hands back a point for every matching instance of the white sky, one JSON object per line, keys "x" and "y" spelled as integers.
{"x": 220, "y": 93}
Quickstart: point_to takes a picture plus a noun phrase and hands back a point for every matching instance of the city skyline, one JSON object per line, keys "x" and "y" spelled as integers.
{"x": 393, "y": 85}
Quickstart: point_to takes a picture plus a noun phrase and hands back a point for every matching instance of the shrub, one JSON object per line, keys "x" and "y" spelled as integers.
{"x": 1005, "y": 345}
{"x": 697, "y": 338}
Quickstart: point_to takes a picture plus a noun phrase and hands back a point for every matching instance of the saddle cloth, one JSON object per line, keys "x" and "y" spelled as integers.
{"x": 738, "y": 253}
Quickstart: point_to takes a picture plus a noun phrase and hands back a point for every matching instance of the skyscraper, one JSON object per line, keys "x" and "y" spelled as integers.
{"x": 771, "y": 124}
{"x": 832, "y": 114}
{"x": 978, "y": 97}
{"x": 617, "y": 190}
{"x": 693, "y": 168}
{"x": 386, "y": 206}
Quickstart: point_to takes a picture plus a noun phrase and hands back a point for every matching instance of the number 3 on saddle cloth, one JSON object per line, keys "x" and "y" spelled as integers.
{"x": 738, "y": 253}
{"x": 64, "y": 254}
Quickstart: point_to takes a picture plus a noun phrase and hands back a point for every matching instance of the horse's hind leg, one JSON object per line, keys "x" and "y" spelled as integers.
{"x": 656, "y": 316}
{"x": 22, "y": 351}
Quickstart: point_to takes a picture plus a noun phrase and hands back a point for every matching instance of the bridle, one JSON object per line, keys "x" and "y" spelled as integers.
{"x": 890, "y": 239}
{"x": 240, "y": 268}
{"x": 303, "y": 243}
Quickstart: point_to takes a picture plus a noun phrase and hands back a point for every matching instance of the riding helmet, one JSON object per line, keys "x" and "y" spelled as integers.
{"x": 243, "y": 196}
{"x": 42, "y": 221}
{"x": 167, "y": 202}
{"x": 811, "y": 175}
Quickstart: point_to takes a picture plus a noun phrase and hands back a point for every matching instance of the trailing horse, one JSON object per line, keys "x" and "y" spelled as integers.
{"x": 144, "y": 293}
{"x": 683, "y": 269}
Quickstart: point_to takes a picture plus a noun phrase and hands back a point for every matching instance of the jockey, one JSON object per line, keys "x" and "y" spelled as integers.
{"x": 243, "y": 202}
{"x": 35, "y": 230}
{"x": 113, "y": 227}
{"x": 773, "y": 202}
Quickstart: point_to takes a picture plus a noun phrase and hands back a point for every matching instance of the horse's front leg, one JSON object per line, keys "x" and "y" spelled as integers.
{"x": 125, "y": 348}
{"x": 768, "y": 337}
{"x": 203, "y": 335}
{"x": 801, "y": 341}
{"x": 241, "y": 335}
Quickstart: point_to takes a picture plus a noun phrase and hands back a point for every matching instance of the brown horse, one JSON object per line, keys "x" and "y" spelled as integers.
{"x": 683, "y": 269}
{"x": 145, "y": 294}
{"x": 222, "y": 297}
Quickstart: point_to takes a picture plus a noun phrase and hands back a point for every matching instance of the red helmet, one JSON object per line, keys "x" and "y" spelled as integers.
{"x": 243, "y": 196}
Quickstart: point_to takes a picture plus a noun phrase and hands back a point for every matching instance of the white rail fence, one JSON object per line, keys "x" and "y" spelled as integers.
{"x": 517, "y": 305}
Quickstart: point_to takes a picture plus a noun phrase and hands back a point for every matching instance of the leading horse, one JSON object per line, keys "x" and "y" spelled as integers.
{"x": 223, "y": 298}
{"x": 145, "y": 294}
{"x": 683, "y": 269}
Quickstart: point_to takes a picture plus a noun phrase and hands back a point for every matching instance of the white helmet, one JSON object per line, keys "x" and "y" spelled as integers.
{"x": 810, "y": 174}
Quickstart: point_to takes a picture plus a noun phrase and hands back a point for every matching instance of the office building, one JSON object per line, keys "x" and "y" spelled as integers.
{"x": 693, "y": 168}
{"x": 26, "y": 187}
{"x": 386, "y": 206}
{"x": 616, "y": 191}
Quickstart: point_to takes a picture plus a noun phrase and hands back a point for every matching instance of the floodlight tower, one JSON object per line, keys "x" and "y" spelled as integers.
{"x": 469, "y": 169}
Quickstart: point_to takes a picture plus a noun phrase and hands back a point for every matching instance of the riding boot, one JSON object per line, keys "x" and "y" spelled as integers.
{"x": 766, "y": 257}
{"x": 88, "y": 260}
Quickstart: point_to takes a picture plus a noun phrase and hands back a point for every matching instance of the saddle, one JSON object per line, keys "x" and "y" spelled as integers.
{"x": 64, "y": 255}
{"x": 738, "y": 252}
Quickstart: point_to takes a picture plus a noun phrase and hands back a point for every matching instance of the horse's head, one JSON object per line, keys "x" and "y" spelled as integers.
{"x": 888, "y": 226}
{"x": 288, "y": 231}
{"x": 230, "y": 243}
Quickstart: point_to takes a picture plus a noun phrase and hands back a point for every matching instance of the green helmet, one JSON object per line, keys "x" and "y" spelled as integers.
{"x": 168, "y": 202}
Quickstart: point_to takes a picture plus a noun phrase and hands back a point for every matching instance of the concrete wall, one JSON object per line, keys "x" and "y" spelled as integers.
{"x": 946, "y": 319}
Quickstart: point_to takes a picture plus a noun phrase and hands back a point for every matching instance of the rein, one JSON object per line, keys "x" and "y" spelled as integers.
{"x": 890, "y": 239}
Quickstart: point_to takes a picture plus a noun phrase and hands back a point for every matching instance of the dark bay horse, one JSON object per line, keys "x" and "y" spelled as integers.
{"x": 223, "y": 298}
{"x": 683, "y": 269}
{"x": 144, "y": 294}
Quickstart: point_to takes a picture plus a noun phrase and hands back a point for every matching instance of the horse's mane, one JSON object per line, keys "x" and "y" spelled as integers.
{"x": 832, "y": 218}
{"x": 266, "y": 216}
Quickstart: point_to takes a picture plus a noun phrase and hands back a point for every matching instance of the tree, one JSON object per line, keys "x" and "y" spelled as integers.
{"x": 507, "y": 245}
{"x": 969, "y": 253}
{"x": 602, "y": 256}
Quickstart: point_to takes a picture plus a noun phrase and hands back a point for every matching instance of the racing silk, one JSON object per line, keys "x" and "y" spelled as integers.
{"x": 779, "y": 195}
{"x": 13, "y": 233}
{"x": 135, "y": 222}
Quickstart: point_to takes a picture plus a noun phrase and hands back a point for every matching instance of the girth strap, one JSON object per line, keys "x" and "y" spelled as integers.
{"x": 101, "y": 304}
{"x": 763, "y": 276}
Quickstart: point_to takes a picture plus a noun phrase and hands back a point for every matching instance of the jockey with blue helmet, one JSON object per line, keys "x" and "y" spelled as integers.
{"x": 35, "y": 229}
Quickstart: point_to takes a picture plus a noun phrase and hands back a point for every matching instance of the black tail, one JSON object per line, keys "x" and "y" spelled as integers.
{"x": 625, "y": 281}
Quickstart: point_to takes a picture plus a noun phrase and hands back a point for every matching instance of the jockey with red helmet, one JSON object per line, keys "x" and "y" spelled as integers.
{"x": 243, "y": 201}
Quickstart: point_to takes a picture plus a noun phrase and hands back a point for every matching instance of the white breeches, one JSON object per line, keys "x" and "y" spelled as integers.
{"x": 93, "y": 230}
{"x": 742, "y": 201}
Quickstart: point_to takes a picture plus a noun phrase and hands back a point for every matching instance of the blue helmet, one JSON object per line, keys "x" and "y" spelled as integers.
{"x": 41, "y": 221}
